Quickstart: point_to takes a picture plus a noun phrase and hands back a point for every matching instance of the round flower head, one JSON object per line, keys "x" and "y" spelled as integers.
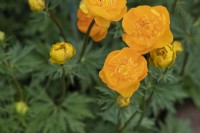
{"x": 37, "y": 5}
{"x": 97, "y": 33}
{"x": 104, "y": 11}
{"x": 61, "y": 52}
{"x": 147, "y": 28}
{"x": 163, "y": 57}
{"x": 177, "y": 46}
{"x": 2, "y": 36}
{"x": 21, "y": 107}
{"x": 123, "y": 70}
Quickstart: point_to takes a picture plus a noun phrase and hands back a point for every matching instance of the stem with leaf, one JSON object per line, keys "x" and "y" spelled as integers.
{"x": 18, "y": 88}
{"x": 144, "y": 106}
{"x": 53, "y": 18}
{"x": 174, "y": 6}
{"x": 15, "y": 82}
{"x": 86, "y": 39}
{"x": 166, "y": 69}
{"x": 127, "y": 122}
{"x": 64, "y": 88}
{"x": 118, "y": 122}
{"x": 186, "y": 57}
{"x": 142, "y": 115}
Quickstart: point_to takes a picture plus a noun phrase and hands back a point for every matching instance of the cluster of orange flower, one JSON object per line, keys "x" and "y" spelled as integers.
{"x": 146, "y": 29}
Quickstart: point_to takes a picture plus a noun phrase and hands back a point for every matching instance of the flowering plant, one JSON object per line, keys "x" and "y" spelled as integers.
{"x": 93, "y": 66}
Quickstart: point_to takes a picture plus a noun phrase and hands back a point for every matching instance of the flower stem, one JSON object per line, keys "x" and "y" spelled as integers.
{"x": 186, "y": 57}
{"x": 87, "y": 35}
{"x": 127, "y": 122}
{"x": 166, "y": 69}
{"x": 145, "y": 103}
{"x": 174, "y": 6}
{"x": 15, "y": 82}
{"x": 142, "y": 115}
{"x": 64, "y": 89}
{"x": 118, "y": 122}
{"x": 18, "y": 87}
{"x": 53, "y": 18}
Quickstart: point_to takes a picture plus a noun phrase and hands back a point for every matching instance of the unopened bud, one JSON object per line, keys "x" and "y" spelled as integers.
{"x": 21, "y": 107}
{"x": 123, "y": 101}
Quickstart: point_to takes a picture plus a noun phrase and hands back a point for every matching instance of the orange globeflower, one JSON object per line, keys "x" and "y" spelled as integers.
{"x": 104, "y": 11}
{"x": 147, "y": 28}
{"x": 123, "y": 70}
{"x": 97, "y": 33}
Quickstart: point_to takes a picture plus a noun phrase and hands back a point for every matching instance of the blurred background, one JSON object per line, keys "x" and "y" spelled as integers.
{"x": 28, "y": 38}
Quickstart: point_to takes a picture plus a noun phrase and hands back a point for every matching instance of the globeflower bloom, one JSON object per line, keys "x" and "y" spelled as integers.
{"x": 97, "y": 33}
{"x": 104, "y": 11}
{"x": 163, "y": 57}
{"x": 37, "y": 5}
{"x": 123, "y": 70}
{"x": 61, "y": 52}
{"x": 21, "y": 107}
{"x": 177, "y": 46}
{"x": 147, "y": 28}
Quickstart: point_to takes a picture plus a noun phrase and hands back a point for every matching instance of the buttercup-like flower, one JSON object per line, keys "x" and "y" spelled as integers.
{"x": 104, "y": 11}
{"x": 2, "y": 36}
{"x": 123, "y": 101}
{"x": 97, "y": 33}
{"x": 37, "y": 5}
{"x": 163, "y": 57}
{"x": 147, "y": 28}
{"x": 123, "y": 70}
{"x": 21, "y": 107}
{"x": 177, "y": 46}
{"x": 61, "y": 52}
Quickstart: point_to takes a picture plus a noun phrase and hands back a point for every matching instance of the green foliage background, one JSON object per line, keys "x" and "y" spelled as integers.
{"x": 89, "y": 106}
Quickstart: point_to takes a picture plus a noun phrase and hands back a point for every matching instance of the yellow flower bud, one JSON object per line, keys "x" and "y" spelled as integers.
{"x": 163, "y": 57}
{"x": 177, "y": 46}
{"x": 37, "y": 5}
{"x": 123, "y": 101}
{"x": 61, "y": 52}
{"x": 21, "y": 107}
{"x": 2, "y": 36}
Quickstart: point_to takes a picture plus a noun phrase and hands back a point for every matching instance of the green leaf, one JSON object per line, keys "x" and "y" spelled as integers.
{"x": 164, "y": 97}
{"x": 174, "y": 125}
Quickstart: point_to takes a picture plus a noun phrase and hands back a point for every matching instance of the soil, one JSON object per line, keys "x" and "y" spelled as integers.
{"x": 190, "y": 112}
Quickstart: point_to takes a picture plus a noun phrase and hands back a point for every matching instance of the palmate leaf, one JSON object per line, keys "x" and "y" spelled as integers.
{"x": 192, "y": 89}
{"x": 67, "y": 117}
{"x": 164, "y": 97}
{"x": 102, "y": 127}
{"x": 87, "y": 69}
{"x": 147, "y": 125}
{"x": 174, "y": 125}
{"x": 181, "y": 24}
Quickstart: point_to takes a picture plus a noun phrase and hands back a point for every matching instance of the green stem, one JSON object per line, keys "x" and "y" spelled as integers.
{"x": 16, "y": 83}
{"x": 127, "y": 122}
{"x": 64, "y": 88}
{"x": 142, "y": 115}
{"x": 166, "y": 69}
{"x": 174, "y": 6}
{"x": 118, "y": 122}
{"x": 53, "y": 18}
{"x": 18, "y": 87}
{"x": 186, "y": 57}
{"x": 86, "y": 39}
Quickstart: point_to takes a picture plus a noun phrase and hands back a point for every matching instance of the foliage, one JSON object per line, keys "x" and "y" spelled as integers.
{"x": 88, "y": 106}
